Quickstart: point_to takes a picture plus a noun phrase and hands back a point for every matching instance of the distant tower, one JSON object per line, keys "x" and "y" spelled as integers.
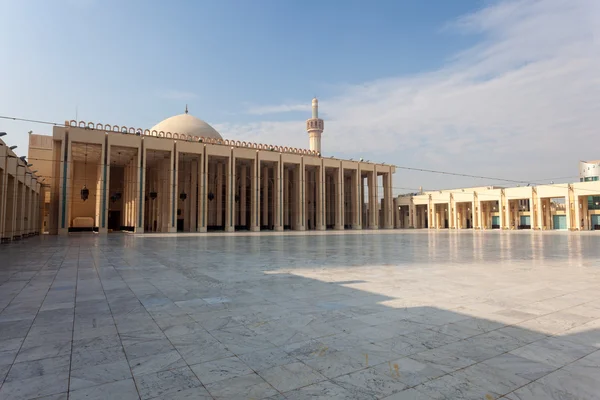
{"x": 314, "y": 127}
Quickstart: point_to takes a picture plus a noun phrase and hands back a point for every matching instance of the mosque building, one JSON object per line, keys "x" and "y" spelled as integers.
{"x": 182, "y": 176}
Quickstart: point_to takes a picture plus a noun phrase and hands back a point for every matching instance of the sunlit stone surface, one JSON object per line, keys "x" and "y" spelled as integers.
{"x": 410, "y": 315}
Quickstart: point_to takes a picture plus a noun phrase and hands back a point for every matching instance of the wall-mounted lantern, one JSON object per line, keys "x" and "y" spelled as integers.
{"x": 85, "y": 193}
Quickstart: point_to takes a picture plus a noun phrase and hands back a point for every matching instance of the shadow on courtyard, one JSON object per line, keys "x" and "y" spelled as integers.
{"x": 442, "y": 353}
{"x": 249, "y": 294}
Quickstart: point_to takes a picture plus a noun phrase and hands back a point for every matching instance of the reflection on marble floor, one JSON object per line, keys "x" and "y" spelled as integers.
{"x": 402, "y": 315}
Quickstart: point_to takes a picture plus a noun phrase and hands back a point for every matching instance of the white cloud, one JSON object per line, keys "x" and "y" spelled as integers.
{"x": 522, "y": 103}
{"x": 282, "y": 108}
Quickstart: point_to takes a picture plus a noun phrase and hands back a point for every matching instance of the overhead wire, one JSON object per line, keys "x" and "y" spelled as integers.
{"x": 532, "y": 182}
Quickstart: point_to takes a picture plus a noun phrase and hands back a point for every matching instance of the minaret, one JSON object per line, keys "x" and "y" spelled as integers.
{"x": 314, "y": 127}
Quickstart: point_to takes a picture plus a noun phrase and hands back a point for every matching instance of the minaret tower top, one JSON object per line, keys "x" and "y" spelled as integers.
{"x": 314, "y": 127}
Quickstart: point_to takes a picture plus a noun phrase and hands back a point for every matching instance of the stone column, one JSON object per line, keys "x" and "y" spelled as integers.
{"x": 219, "y": 195}
{"x": 320, "y": 176}
{"x": 301, "y": 179}
{"x": 541, "y": 215}
{"x": 162, "y": 194}
{"x": 66, "y": 161}
{"x": 125, "y": 209}
{"x": 354, "y": 200}
{"x": 133, "y": 188}
{"x": 532, "y": 211}
{"x": 286, "y": 196}
{"x": 173, "y": 161}
{"x": 254, "y": 200}
{"x": 278, "y": 194}
{"x": 12, "y": 222}
{"x": 338, "y": 198}
{"x": 390, "y": 195}
{"x": 230, "y": 190}
{"x": 165, "y": 196}
{"x": 501, "y": 213}
{"x": 372, "y": 195}
{"x": 265, "y": 196}
{"x": 243, "y": 199}
{"x": 203, "y": 191}
{"x": 193, "y": 195}
{"x": 140, "y": 190}
{"x": 456, "y": 215}
{"x": 31, "y": 217}
{"x": 576, "y": 206}
{"x": 26, "y": 205}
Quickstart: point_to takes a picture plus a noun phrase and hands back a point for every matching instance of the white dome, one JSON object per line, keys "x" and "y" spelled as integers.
{"x": 187, "y": 125}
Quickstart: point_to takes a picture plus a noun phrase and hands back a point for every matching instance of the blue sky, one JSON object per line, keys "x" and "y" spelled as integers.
{"x": 481, "y": 87}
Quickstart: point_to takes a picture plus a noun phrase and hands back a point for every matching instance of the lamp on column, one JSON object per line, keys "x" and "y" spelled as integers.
{"x": 182, "y": 196}
{"x": 211, "y": 196}
{"x": 85, "y": 192}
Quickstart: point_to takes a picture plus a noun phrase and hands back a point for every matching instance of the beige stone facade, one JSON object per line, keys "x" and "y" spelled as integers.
{"x": 21, "y": 194}
{"x": 574, "y": 206}
{"x": 158, "y": 180}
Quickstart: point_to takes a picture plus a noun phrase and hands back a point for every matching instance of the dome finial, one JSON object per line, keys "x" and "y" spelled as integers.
{"x": 186, "y": 110}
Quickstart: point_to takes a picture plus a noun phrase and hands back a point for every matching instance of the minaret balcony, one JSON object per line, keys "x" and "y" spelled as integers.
{"x": 315, "y": 124}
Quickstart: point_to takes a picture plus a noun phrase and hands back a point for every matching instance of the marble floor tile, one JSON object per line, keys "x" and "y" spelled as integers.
{"x": 43, "y": 350}
{"x": 197, "y": 350}
{"x": 240, "y": 340}
{"x": 97, "y": 343}
{"x": 99, "y": 374}
{"x": 308, "y": 350}
{"x": 577, "y": 379}
{"x": 244, "y": 387}
{"x": 408, "y": 394}
{"x": 450, "y": 387}
{"x": 410, "y": 371}
{"x": 36, "y": 386}
{"x": 148, "y": 348}
{"x": 335, "y": 363}
{"x": 37, "y": 368}
{"x": 81, "y": 358}
{"x": 371, "y": 382}
{"x": 196, "y": 393}
{"x": 268, "y": 358}
{"x": 163, "y": 383}
{"x": 520, "y": 366}
{"x": 322, "y": 391}
{"x": 555, "y": 351}
{"x": 156, "y": 362}
{"x": 523, "y": 336}
{"x": 446, "y": 358}
{"x": 14, "y": 329}
{"x": 494, "y": 380}
{"x": 478, "y": 306}
{"x": 123, "y": 390}
{"x": 218, "y": 370}
{"x": 291, "y": 376}
{"x": 539, "y": 391}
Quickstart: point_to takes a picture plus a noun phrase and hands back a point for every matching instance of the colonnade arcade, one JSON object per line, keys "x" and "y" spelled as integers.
{"x": 199, "y": 187}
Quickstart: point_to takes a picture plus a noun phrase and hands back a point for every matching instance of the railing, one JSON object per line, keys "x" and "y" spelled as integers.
{"x": 188, "y": 138}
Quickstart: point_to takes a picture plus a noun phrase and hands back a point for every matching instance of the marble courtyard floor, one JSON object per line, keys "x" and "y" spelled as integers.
{"x": 397, "y": 315}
